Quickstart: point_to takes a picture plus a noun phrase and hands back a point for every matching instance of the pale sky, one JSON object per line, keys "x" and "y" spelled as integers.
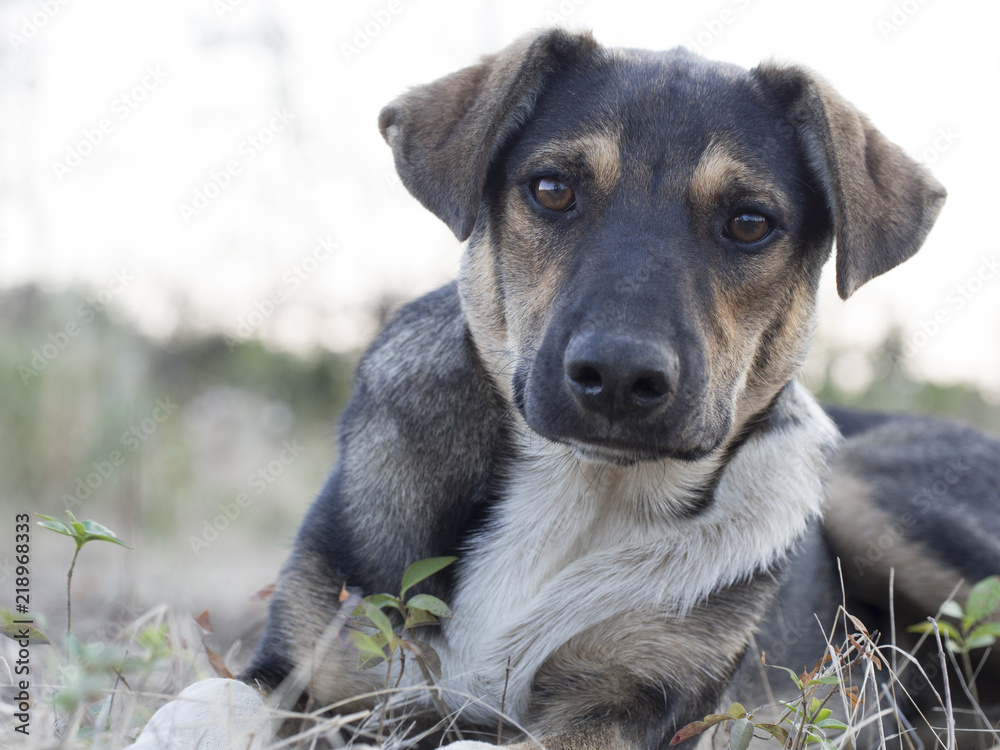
{"x": 203, "y": 155}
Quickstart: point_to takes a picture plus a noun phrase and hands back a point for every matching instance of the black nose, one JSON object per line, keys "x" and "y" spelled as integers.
{"x": 620, "y": 376}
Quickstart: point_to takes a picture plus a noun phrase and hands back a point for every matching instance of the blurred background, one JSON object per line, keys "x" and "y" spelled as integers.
{"x": 201, "y": 228}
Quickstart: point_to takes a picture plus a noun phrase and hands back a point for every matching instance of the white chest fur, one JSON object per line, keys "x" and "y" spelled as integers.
{"x": 572, "y": 544}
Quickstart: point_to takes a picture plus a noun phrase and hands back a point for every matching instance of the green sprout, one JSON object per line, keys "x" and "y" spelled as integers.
{"x": 81, "y": 532}
{"x": 974, "y": 630}
{"x": 418, "y": 611}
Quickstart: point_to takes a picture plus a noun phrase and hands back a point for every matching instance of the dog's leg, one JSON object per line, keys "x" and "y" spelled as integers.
{"x": 214, "y": 714}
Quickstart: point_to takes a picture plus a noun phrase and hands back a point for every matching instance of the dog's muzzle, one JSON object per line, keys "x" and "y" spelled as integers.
{"x": 619, "y": 377}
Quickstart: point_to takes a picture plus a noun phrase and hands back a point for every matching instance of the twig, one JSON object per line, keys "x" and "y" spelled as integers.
{"x": 69, "y": 597}
{"x": 436, "y": 695}
{"x": 949, "y": 709}
{"x": 503, "y": 702}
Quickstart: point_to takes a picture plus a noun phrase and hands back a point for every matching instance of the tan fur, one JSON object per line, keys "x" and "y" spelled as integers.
{"x": 773, "y": 346}
{"x": 720, "y": 172}
{"x": 530, "y": 285}
{"x": 600, "y": 152}
{"x": 862, "y": 528}
{"x": 603, "y": 665}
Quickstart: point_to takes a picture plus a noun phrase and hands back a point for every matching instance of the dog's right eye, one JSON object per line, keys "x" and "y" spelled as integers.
{"x": 747, "y": 227}
{"x": 553, "y": 194}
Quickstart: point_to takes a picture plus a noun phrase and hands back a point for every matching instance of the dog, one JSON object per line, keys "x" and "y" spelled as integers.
{"x": 600, "y": 419}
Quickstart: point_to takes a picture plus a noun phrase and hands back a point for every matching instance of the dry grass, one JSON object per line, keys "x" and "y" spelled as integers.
{"x": 873, "y": 679}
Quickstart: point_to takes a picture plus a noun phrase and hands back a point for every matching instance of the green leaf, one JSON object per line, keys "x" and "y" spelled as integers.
{"x": 952, "y": 608}
{"x": 795, "y": 677}
{"x": 831, "y": 724}
{"x": 955, "y": 647}
{"x": 779, "y": 733}
{"x": 980, "y": 641}
{"x": 740, "y": 735}
{"x": 16, "y": 633}
{"x": 690, "y": 730}
{"x": 360, "y": 621}
{"x": 376, "y": 652}
{"x": 982, "y": 602}
{"x": 737, "y": 711}
{"x": 830, "y": 679}
{"x": 948, "y": 630}
{"x": 793, "y": 707}
{"x": 821, "y": 716}
{"x": 422, "y": 570}
{"x": 427, "y": 655}
{"x": 81, "y": 531}
{"x": 417, "y": 617}
{"x": 362, "y": 643}
{"x": 429, "y": 603}
{"x": 987, "y": 628}
{"x": 52, "y": 524}
{"x": 94, "y": 530}
{"x": 383, "y": 600}
{"x": 378, "y": 619}
{"x": 713, "y": 719}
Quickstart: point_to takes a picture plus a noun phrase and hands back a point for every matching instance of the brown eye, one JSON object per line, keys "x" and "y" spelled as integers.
{"x": 553, "y": 194}
{"x": 748, "y": 227}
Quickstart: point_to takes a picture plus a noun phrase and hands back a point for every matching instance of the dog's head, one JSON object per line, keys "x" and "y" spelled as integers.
{"x": 646, "y": 230}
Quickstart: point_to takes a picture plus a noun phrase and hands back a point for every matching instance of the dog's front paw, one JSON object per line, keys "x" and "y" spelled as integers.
{"x": 214, "y": 714}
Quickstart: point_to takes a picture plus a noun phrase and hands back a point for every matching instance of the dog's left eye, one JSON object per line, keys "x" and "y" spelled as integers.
{"x": 553, "y": 194}
{"x": 747, "y": 227}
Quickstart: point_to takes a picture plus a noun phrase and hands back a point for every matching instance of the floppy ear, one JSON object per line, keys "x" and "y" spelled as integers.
{"x": 883, "y": 203}
{"x": 445, "y": 135}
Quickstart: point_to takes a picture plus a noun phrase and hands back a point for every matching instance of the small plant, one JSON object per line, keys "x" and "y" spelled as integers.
{"x": 806, "y": 720}
{"x": 807, "y": 725}
{"x": 973, "y": 631}
{"x": 93, "y": 672}
{"x": 418, "y": 611}
{"x": 81, "y": 532}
